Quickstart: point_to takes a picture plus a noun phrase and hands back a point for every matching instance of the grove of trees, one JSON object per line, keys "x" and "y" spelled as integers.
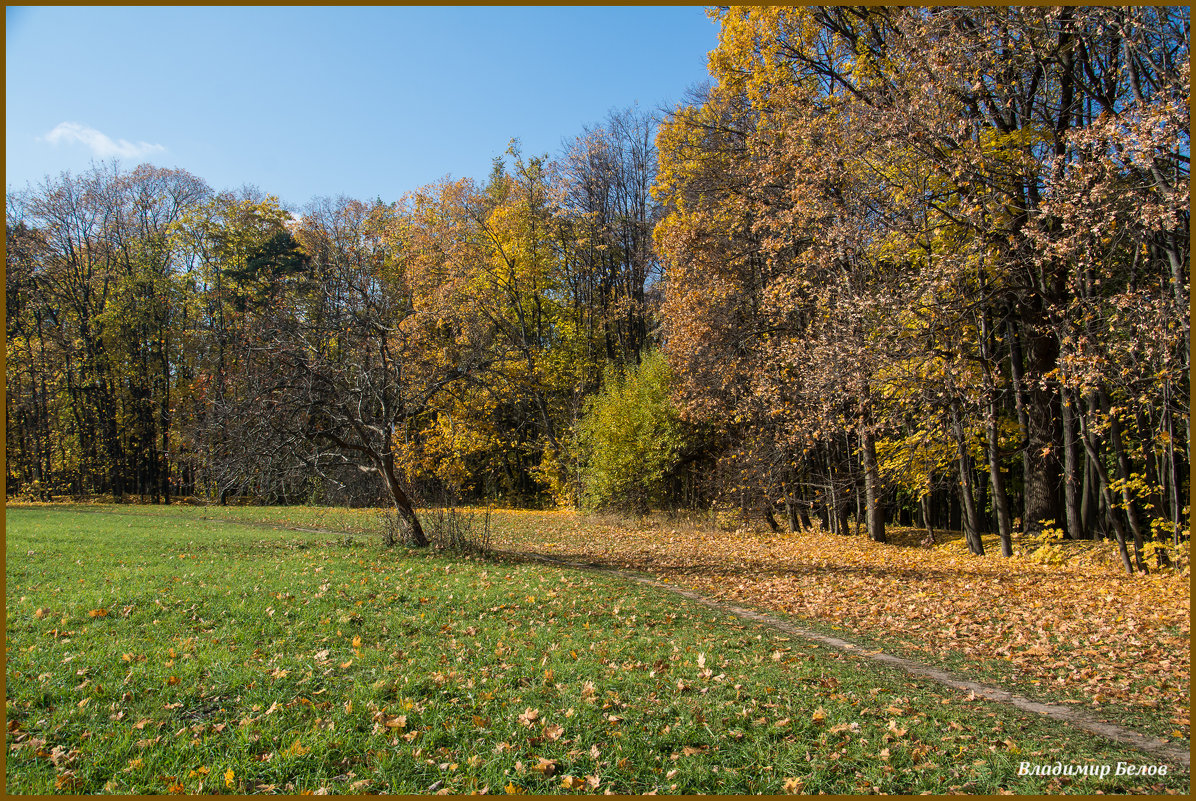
{"x": 899, "y": 265}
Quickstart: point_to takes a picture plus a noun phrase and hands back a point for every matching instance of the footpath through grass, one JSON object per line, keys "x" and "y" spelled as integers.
{"x": 165, "y": 653}
{"x": 1078, "y": 631}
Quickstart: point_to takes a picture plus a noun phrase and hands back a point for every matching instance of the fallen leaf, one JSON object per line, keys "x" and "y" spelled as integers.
{"x": 296, "y": 749}
{"x": 547, "y": 767}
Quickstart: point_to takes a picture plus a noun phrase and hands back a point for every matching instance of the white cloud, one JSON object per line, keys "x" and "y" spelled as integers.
{"x": 102, "y": 146}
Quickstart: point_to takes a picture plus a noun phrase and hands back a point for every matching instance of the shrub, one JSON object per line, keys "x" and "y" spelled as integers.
{"x": 630, "y": 438}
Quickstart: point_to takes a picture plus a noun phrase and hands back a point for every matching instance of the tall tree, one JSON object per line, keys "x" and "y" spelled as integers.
{"x": 933, "y": 148}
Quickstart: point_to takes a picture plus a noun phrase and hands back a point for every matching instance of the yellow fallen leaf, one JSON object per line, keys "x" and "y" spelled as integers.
{"x": 545, "y": 766}
{"x": 296, "y": 749}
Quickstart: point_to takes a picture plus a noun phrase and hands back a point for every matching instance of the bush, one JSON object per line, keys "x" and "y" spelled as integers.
{"x": 447, "y": 527}
{"x": 630, "y": 438}
{"x": 459, "y": 530}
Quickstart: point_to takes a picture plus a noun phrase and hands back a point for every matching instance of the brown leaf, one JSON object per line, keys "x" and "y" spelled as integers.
{"x": 547, "y": 767}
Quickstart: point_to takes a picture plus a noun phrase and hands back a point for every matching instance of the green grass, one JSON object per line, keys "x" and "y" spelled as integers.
{"x": 303, "y": 661}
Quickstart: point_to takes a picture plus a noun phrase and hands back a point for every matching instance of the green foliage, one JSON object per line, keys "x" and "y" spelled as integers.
{"x": 631, "y": 437}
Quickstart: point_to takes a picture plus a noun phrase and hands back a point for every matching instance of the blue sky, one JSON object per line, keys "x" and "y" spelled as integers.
{"x": 305, "y": 102}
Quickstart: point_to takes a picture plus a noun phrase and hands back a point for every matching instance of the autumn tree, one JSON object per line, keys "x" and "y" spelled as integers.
{"x": 244, "y": 260}
{"x": 365, "y": 349}
{"x": 902, "y": 173}
{"x": 604, "y": 180}
{"x": 95, "y": 304}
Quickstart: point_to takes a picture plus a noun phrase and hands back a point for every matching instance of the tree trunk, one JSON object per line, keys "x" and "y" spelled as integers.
{"x": 970, "y": 524}
{"x": 1173, "y": 470}
{"x": 1089, "y": 500}
{"x": 1123, "y": 474}
{"x": 832, "y": 508}
{"x": 876, "y": 520}
{"x": 1071, "y": 471}
{"x": 1019, "y": 401}
{"x": 1102, "y": 475}
{"x": 1152, "y": 465}
{"x": 402, "y": 503}
{"x": 806, "y": 525}
{"x": 1043, "y": 479}
{"x": 791, "y": 515}
{"x": 1000, "y": 499}
{"x": 842, "y": 513}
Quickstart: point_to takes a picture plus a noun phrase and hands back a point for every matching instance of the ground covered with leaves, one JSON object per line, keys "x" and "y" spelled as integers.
{"x": 162, "y": 652}
{"x": 1059, "y": 622}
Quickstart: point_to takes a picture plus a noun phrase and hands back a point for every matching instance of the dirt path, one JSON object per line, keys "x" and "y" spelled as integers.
{"x": 1175, "y": 756}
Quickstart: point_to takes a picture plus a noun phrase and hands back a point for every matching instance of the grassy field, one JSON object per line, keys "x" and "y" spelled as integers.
{"x": 162, "y": 652}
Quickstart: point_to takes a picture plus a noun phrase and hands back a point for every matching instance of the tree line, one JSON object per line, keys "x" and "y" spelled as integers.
{"x": 166, "y": 340}
{"x": 906, "y": 265}
{"x": 938, "y": 258}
